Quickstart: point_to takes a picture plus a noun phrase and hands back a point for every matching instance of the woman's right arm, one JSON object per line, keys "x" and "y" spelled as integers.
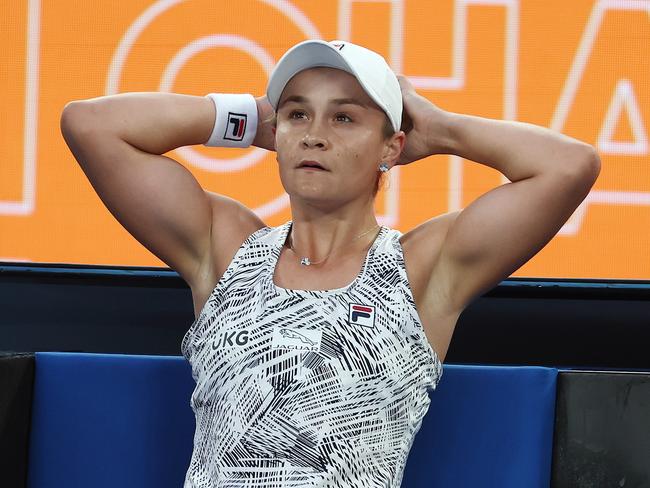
{"x": 119, "y": 140}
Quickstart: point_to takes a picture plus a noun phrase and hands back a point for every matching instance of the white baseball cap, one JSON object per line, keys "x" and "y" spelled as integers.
{"x": 368, "y": 67}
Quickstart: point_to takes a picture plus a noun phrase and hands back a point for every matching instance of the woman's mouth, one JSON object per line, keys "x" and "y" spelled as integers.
{"x": 311, "y": 165}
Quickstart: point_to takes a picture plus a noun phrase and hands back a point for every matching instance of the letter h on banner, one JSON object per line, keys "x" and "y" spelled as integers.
{"x": 455, "y": 82}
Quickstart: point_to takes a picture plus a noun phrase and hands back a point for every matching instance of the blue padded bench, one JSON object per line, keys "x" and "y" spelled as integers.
{"x": 102, "y": 420}
{"x": 487, "y": 427}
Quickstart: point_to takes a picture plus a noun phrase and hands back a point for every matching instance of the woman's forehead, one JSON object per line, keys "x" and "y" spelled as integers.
{"x": 316, "y": 82}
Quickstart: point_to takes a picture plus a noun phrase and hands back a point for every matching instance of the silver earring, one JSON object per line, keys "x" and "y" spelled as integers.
{"x": 383, "y": 167}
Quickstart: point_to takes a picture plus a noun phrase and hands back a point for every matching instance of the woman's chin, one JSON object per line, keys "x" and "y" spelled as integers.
{"x": 316, "y": 195}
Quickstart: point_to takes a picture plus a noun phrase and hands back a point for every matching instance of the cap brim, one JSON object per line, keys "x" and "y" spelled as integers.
{"x": 307, "y": 54}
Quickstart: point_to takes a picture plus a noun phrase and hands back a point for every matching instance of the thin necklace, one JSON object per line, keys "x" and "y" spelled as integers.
{"x": 305, "y": 261}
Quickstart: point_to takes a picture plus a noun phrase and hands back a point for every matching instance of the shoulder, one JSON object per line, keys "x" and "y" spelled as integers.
{"x": 422, "y": 243}
{"x": 232, "y": 223}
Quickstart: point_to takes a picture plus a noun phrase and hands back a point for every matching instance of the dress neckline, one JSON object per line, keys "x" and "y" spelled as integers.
{"x": 277, "y": 249}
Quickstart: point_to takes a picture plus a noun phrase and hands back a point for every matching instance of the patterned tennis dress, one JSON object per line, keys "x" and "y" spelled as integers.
{"x": 299, "y": 388}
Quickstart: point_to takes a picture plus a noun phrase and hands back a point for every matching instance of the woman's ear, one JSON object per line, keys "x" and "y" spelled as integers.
{"x": 393, "y": 147}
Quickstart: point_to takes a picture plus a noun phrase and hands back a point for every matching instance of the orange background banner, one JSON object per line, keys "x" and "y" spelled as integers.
{"x": 581, "y": 68}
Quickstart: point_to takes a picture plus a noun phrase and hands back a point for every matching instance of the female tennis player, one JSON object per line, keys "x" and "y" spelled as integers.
{"x": 317, "y": 342}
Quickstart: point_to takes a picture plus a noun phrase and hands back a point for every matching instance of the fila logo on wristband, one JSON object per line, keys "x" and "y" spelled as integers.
{"x": 363, "y": 315}
{"x": 236, "y": 127}
{"x": 235, "y": 123}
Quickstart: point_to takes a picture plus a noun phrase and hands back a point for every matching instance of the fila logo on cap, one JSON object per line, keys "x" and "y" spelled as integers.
{"x": 363, "y": 315}
{"x": 236, "y": 126}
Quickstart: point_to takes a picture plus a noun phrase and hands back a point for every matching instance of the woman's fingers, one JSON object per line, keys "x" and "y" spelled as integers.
{"x": 407, "y": 119}
{"x": 265, "y": 136}
{"x": 405, "y": 83}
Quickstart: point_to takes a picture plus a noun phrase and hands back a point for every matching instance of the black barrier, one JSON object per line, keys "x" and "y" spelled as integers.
{"x": 138, "y": 310}
{"x": 602, "y": 430}
{"x": 16, "y": 386}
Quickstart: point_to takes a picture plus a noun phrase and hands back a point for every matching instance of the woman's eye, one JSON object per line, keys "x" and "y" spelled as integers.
{"x": 343, "y": 117}
{"x": 295, "y": 114}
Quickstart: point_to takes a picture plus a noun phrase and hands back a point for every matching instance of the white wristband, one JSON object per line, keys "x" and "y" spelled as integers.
{"x": 236, "y": 120}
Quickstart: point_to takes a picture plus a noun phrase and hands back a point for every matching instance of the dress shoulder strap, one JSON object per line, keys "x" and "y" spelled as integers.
{"x": 389, "y": 269}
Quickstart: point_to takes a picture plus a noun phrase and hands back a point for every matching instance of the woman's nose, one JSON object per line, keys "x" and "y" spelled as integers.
{"x": 313, "y": 140}
{"x": 314, "y": 137}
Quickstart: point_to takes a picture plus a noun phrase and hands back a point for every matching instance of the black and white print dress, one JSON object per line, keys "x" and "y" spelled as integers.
{"x": 299, "y": 388}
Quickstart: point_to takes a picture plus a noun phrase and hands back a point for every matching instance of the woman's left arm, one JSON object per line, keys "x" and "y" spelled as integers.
{"x": 550, "y": 175}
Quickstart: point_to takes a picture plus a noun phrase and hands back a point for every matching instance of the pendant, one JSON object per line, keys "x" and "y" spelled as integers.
{"x": 305, "y": 261}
